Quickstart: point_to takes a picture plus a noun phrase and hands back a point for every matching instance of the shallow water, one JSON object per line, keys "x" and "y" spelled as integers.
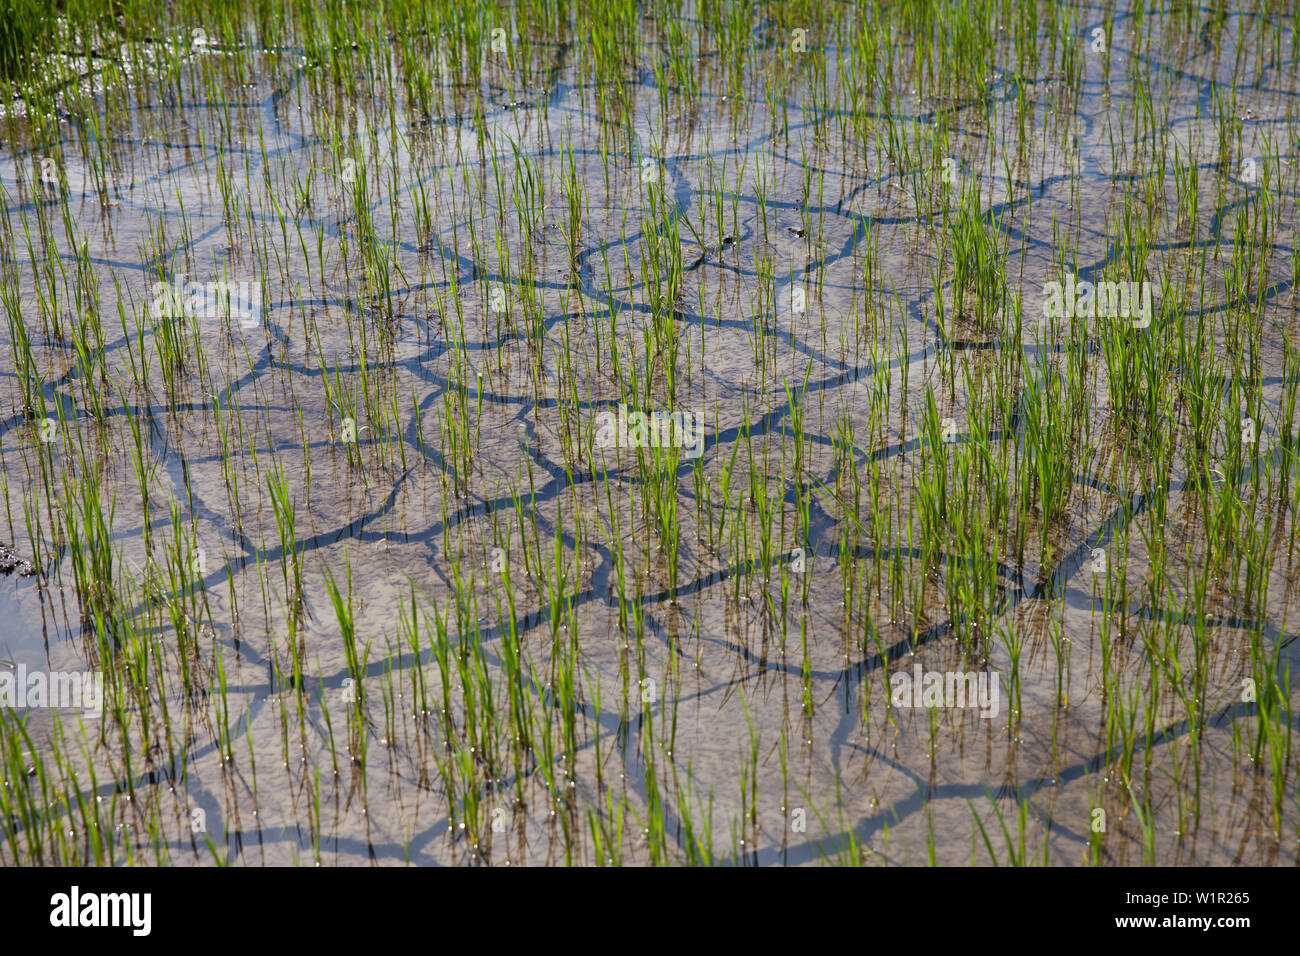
{"x": 768, "y": 712}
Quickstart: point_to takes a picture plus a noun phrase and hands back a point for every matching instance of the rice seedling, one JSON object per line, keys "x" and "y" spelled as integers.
{"x": 628, "y": 434}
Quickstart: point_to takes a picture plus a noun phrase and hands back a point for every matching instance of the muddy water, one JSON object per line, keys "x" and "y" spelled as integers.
{"x": 740, "y": 683}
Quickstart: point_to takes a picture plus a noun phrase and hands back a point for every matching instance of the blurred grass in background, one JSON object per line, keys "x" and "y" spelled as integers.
{"x": 24, "y": 26}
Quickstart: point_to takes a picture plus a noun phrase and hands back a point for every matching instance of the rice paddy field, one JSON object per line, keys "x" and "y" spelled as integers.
{"x": 649, "y": 433}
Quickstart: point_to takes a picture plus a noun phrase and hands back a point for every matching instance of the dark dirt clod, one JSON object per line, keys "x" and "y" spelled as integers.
{"x": 10, "y": 562}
